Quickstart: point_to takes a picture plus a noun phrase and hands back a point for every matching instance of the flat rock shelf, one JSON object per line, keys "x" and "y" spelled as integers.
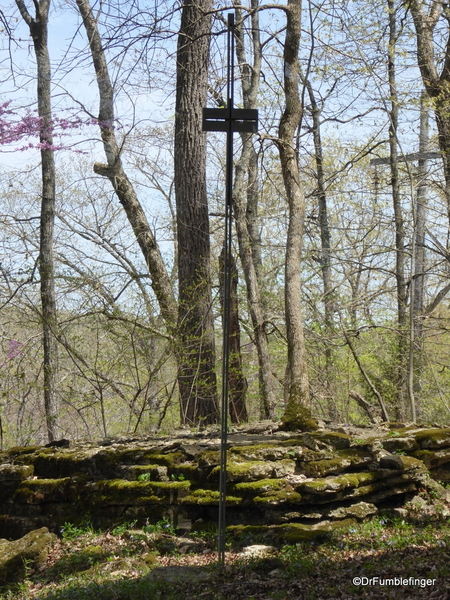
{"x": 291, "y": 486}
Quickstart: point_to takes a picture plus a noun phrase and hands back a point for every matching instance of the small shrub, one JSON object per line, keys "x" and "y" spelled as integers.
{"x": 163, "y": 526}
{"x": 69, "y": 531}
{"x": 123, "y": 528}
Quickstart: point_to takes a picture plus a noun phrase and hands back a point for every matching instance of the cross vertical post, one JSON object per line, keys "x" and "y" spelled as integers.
{"x": 227, "y": 120}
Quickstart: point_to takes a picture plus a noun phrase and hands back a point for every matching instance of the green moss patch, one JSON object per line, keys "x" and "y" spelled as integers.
{"x": 145, "y": 472}
{"x": 38, "y": 491}
{"x": 432, "y": 459}
{"x": 262, "y": 452}
{"x": 31, "y": 551}
{"x": 297, "y": 417}
{"x": 261, "y": 486}
{"x": 208, "y": 458}
{"x": 210, "y": 497}
{"x": 55, "y": 464}
{"x": 321, "y": 468}
{"x": 287, "y": 533}
{"x": 268, "y": 491}
{"x": 274, "y": 498}
{"x": 22, "y": 451}
{"x": 433, "y": 438}
{"x": 254, "y": 470}
{"x": 188, "y": 471}
{"x": 10, "y": 472}
{"x": 360, "y": 511}
{"x": 331, "y": 485}
{"x": 410, "y": 463}
{"x": 120, "y": 491}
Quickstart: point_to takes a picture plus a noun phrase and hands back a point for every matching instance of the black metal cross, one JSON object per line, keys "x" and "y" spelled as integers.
{"x": 236, "y": 119}
{"x": 228, "y": 120}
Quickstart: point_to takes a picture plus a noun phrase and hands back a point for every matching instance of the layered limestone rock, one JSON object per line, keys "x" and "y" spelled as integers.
{"x": 307, "y": 481}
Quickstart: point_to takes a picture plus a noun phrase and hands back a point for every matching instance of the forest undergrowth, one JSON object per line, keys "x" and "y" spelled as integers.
{"x": 382, "y": 558}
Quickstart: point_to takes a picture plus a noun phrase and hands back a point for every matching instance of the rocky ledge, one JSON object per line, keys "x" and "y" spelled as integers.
{"x": 287, "y": 485}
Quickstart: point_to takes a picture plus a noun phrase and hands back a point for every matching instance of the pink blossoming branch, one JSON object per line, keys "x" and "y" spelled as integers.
{"x": 14, "y": 129}
{"x": 14, "y": 350}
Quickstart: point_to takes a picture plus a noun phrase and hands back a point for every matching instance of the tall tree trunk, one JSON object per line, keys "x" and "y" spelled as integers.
{"x": 38, "y": 30}
{"x": 422, "y": 191}
{"x": 252, "y": 213}
{"x": 325, "y": 249}
{"x": 197, "y": 375}
{"x": 237, "y": 383}
{"x": 245, "y": 212}
{"x": 401, "y": 347}
{"x": 436, "y": 83}
{"x": 297, "y": 412}
{"x": 418, "y": 283}
{"x": 123, "y": 187}
{"x": 116, "y": 174}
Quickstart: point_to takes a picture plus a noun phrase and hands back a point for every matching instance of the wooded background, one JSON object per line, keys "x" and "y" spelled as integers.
{"x": 112, "y": 206}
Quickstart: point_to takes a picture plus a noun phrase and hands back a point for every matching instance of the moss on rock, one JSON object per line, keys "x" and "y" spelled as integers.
{"x": 433, "y": 459}
{"x": 188, "y": 471}
{"x": 208, "y": 458}
{"x": 339, "y": 441}
{"x": 433, "y": 438}
{"x": 360, "y": 511}
{"x": 210, "y": 497}
{"x": 274, "y": 498}
{"x": 321, "y": 468}
{"x": 269, "y": 451}
{"x": 255, "y": 470}
{"x": 9, "y": 472}
{"x": 29, "y": 551}
{"x": 149, "y": 472}
{"x": 58, "y": 464}
{"x": 404, "y": 444}
{"x": 290, "y": 533}
{"x": 298, "y": 418}
{"x": 410, "y": 463}
{"x": 331, "y": 485}
{"x": 38, "y": 491}
{"x": 261, "y": 486}
{"x": 122, "y": 492}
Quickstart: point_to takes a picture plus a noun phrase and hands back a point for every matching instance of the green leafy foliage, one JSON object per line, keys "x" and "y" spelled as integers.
{"x": 162, "y": 526}
{"x": 70, "y": 531}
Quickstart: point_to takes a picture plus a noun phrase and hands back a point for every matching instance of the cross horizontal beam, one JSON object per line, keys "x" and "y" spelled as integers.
{"x": 407, "y": 158}
{"x": 240, "y": 119}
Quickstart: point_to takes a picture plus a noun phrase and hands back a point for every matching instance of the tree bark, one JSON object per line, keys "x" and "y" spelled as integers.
{"x": 116, "y": 174}
{"x": 237, "y": 383}
{"x": 401, "y": 347}
{"x": 437, "y": 84}
{"x": 418, "y": 269}
{"x": 197, "y": 376}
{"x": 421, "y": 202}
{"x": 325, "y": 249}
{"x": 38, "y": 30}
{"x": 297, "y": 412}
{"x": 245, "y": 212}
